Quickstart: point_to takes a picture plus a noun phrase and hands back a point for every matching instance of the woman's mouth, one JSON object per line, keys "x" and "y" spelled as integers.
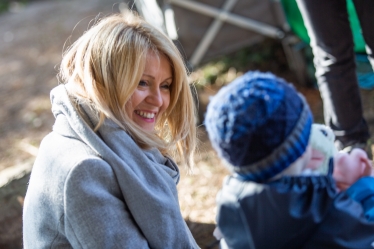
{"x": 147, "y": 115}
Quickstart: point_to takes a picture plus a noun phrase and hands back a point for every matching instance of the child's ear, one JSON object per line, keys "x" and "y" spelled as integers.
{"x": 297, "y": 167}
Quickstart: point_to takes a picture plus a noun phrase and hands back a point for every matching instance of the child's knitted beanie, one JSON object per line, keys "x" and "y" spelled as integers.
{"x": 259, "y": 124}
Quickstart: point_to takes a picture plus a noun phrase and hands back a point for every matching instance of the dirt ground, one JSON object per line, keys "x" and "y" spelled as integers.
{"x": 31, "y": 43}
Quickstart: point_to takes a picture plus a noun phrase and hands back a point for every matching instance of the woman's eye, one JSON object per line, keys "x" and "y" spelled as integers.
{"x": 166, "y": 86}
{"x": 142, "y": 83}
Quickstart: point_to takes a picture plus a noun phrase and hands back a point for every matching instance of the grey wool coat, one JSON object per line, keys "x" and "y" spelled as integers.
{"x": 100, "y": 190}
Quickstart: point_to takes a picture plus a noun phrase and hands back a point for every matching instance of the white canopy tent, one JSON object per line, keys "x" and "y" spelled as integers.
{"x": 206, "y": 29}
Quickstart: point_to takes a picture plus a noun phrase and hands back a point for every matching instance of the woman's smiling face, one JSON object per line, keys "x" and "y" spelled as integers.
{"x": 152, "y": 96}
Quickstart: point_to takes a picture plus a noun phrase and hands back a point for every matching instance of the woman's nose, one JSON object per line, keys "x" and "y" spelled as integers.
{"x": 155, "y": 97}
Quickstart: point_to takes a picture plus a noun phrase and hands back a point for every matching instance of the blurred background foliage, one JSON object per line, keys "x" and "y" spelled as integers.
{"x": 266, "y": 56}
{"x": 12, "y": 6}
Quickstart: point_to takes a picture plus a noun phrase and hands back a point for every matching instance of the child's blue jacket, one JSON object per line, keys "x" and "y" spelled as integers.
{"x": 293, "y": 212}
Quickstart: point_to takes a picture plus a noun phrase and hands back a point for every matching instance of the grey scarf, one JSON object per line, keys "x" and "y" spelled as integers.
{"x": 146, "y": 178}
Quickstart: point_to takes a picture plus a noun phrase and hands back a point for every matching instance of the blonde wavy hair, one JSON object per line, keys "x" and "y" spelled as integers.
{"x": 105, "y": 66}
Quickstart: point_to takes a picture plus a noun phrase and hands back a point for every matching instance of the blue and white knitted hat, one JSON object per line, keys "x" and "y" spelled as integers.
{"x": 259, "y": 124}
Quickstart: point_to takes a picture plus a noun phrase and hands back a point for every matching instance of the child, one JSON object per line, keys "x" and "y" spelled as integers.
{"x": 260, "y": 126}
{"x": 348, "y": 168}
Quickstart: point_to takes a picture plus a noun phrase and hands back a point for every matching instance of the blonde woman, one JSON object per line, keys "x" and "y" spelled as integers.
{"x": 105, "y": 177}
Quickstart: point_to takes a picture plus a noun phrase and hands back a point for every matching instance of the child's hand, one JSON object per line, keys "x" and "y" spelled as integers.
{"x": 348, "y": 168}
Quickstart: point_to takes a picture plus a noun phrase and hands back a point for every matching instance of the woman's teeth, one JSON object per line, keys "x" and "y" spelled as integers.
{"x": 145, "y": 114}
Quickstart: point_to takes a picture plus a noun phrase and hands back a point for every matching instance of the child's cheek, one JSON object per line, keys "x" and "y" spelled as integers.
{"x": 316, "y": 160}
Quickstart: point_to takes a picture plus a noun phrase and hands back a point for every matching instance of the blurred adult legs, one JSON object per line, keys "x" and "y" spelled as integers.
{"x": 334, "y": 59}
